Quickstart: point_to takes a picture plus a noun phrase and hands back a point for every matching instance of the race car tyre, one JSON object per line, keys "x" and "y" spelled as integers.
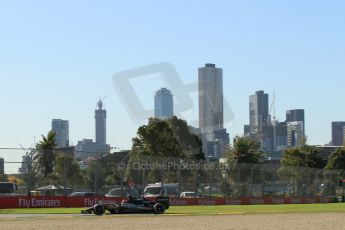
{"x": 99, "y": 209}
{"x": 158, "y": 208}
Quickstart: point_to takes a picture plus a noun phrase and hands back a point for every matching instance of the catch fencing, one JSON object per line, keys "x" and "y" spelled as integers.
{"x": 204, "y": 179}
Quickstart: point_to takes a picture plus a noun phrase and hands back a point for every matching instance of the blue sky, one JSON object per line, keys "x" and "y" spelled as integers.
{"x": 58, "y": 57}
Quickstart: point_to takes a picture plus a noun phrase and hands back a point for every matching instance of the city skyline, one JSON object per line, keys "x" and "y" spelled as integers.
{"x": 296, "y": 50}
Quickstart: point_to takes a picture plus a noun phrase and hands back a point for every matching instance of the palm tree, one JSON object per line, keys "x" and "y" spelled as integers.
{"x": 312, "y": 157}
{"x": 337, "y": 160}
{"x": 46, "y": 154}
{"x": 305, "y": 156}
{"x": 244, "y": 150}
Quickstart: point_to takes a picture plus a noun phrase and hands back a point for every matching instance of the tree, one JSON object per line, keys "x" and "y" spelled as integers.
{"x": 305, "y": 156}
{"x": 115, "y": 175}
{"x": 66, "y": 166}
{"x": 336, "y": 160}
{"x": 46, "y": 153}
{"x": 300, "y": 166}
{"x": 244, "y": 150}
{"x": 167, "y": 138}
{"x": 94, "y": 176}
{"x": 162, "y": 141}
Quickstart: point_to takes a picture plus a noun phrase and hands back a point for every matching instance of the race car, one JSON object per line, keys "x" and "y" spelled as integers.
{"x": 132, "y": 205}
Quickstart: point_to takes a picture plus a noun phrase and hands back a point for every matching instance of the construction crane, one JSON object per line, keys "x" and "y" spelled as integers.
{"x": 273, "y": 120}
{"x": 273, "y": 107}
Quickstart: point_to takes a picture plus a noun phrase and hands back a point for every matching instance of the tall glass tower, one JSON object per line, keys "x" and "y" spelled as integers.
{"x": 164, "y": 108}
{"x": 210, "y": 81}
{"x": 61, "y": 128}
{"x": 258, "y": 111}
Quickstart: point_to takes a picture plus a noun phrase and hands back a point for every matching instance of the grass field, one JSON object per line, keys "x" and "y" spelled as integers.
{"x": 209, "y": 210}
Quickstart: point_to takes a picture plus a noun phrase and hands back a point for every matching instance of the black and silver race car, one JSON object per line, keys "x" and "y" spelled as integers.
{"x": 132, "y": 205}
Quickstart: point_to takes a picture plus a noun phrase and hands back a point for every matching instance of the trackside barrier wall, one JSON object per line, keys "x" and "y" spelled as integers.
{"x": 59, "y": 202}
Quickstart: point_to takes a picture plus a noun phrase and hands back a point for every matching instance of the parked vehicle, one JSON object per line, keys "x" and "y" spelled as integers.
{"x": 161, "y": 189}
{"x": 123, "y": 192}
{"x": 82, "y": 194}
{"x": 8, "y": 188}
{"x": 189, "y": 195}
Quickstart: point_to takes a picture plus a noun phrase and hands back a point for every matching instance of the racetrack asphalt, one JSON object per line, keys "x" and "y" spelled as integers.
{"x": 305, "y": 221}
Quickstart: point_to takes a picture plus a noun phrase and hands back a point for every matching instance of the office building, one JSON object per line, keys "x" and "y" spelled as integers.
{"x": 295, "y": 115}
{"x": 164, "y": 108}
{"x": 25, "y": 164}
{"x": 295, "y": 134}
{"x": 211, "y": 114}
{"x": 338, "y": 133}
{"x": 210, "y": 85}
{"x": 280, "y": 136}
{"x": 258, "y": 111}
{"x": 88, "y": 148}
{"x": 246, "y": 130}
{"x": 61, "y": 128}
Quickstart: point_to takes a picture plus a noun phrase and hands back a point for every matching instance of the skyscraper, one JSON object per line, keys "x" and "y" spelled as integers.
{"x": 101, "y": 124}
{"x": 210, "y": 80}
{"x": 296, "y": 115}
{"x": 214, "y": 136}
{"x": 61, "y": 128}
{"x": 338, "y": 133}
{"x": 258, "y": 111}
{"x": 164, "y": 107}
{"x": 295, "y": 133}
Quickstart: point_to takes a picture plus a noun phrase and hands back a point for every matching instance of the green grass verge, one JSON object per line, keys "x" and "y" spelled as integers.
{"x": 258, "y": 209}
{"x": 207, "y": 210}
{"x": 41, "y": 211}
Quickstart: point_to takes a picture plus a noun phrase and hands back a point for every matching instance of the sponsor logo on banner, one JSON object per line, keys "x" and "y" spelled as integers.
{"x": 92, "y": 202}
{"x": 38, "y": 202}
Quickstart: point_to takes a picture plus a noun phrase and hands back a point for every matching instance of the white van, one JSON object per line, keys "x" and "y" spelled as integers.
{"x": 161, "y": 189}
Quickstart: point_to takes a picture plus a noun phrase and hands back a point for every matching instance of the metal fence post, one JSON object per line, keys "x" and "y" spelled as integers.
{"x": 95, "y": 178}
{"x": 238, "y": 180}
{"x": 251, "y": 180}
